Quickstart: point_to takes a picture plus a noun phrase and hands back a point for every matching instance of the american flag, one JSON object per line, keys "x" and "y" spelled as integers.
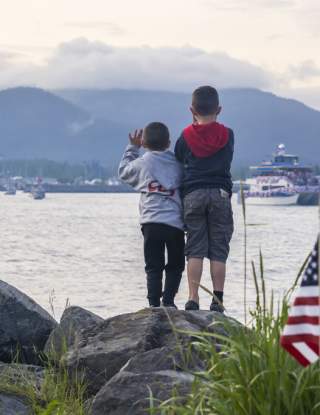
{"x": 301, "y": 335}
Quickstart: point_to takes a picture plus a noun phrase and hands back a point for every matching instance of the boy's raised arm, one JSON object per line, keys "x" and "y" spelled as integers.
{"x": 129, "y": 165}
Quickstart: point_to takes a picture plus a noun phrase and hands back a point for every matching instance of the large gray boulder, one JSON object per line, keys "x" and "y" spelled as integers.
{"x": 14, "y": 405}
{"x": 25, "y": 326}
{"x": 165, "y": 358}
{"x": 131, "y": 394}
{"x": 104, "y": 349}
{"x": 73, "y": 321}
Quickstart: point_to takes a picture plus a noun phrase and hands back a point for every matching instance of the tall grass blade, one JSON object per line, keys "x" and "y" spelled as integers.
{"x": 244, "y": 214}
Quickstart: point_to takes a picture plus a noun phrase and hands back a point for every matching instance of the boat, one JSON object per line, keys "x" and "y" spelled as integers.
{"x": 10, "y": 189}
{"x": 282, "y": 181}
{"x": 37, "y": 191}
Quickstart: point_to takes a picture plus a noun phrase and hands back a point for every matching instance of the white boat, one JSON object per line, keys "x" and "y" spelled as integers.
{"x": 280, "y": 182}
{"x": 273, "y": 201}
{"x": 271, "y": 190}
{"x": 11, "y": 189}
{"x": 10, "y": 192}
{"x": 38, "y": 193}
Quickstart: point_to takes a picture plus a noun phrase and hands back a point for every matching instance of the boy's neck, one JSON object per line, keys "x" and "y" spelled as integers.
{"x": 206, "y": 120}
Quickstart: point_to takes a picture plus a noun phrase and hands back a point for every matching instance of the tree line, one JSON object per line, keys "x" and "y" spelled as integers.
{"x": 62, "y": 171}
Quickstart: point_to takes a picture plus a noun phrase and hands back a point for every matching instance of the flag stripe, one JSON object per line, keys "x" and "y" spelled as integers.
{"x": 295, "y": 338}
{"x": 304, "y": 319}
{"x": 307, "y": 301}
{"x": 301, "y": 329}
{"x": 296, "y": 354}
{"x": 306, "y": 351}
{"x": 309, "y": 291}
{"x": 307, "y": 310}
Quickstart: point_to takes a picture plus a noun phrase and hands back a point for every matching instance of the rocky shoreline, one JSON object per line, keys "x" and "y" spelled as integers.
{"x": 122, "y": 360}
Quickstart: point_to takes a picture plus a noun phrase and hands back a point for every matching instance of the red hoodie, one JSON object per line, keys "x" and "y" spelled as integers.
{"x": 204, "y": 140}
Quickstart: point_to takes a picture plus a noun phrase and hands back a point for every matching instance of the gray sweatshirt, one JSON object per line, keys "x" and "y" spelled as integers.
{"x": 157, "y": 176}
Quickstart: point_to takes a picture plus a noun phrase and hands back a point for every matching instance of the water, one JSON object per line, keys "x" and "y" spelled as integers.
{"x": 87, "y": 250}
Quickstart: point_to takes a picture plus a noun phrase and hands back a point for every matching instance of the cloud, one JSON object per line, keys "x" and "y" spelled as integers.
{"x": 306, "y": 70}
{"x": 110, "y": 28}
{"x": 85, "y": 64}
{"x": 81, "y": 63}
{"x": 245, "y": 5}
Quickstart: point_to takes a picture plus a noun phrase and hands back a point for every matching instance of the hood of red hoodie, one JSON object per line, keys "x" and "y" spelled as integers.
{"x": 204, "y": 140}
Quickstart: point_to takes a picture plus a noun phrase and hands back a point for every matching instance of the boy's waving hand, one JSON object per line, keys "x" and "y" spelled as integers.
{"x": 136, "y": 138}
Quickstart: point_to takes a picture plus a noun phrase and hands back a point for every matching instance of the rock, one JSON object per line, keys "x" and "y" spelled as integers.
{"x": 73, "y": 320}
{"x": 15, "y": 374}
{"x": 14, "y": 405}
{"x": 129, "y": 394}
{"x": 25, "y": 326}
{"x": 164, "y": 358}
{"x": 105, "y": 348}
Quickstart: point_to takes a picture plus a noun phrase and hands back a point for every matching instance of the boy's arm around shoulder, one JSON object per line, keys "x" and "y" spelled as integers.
{"x": 180, "y": 149}
{"x": 129, "y": 167}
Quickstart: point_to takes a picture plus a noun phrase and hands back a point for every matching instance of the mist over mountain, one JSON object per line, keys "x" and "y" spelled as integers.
{"x": 259, "y": 119}
{"x": 38, "y": 124}
{"x": 78, "y": 125}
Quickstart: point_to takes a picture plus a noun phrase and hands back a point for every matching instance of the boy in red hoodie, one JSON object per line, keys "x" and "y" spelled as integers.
{"x": 205, "y": 148}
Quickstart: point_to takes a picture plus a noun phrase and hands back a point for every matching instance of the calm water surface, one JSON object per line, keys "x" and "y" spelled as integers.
{"x": 87, "y": 250}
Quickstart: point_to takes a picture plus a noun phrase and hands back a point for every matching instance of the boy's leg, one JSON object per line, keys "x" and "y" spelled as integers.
{"x": 195, "y": 216}
{"x": 194, "y": 270}
{"x": 218, "y": 274}
{"x": 154, "y": 254}
{"x": 220, "y": 223}
{"x": 175, "y": 265}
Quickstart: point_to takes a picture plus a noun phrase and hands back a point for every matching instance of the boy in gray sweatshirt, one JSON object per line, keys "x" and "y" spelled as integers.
{"x": 157, "y": 176}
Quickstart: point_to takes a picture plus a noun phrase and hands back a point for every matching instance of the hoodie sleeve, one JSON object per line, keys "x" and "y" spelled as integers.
{"x": 130, "y": 166}
{"x": 180, "y": 149}
{"x": 231, "y": 138}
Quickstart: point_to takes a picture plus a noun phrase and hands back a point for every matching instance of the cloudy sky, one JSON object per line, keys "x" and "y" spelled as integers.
{"x": 167, "y": 44}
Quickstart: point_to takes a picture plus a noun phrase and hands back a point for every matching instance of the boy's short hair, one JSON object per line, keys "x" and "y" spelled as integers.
{"x": 205, "y": 100}
{"x": 156, "y": 136}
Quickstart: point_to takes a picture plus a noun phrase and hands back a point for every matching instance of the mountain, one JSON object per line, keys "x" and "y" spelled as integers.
{"x": 38, "y": 124}
{"x": 78, "y": 125}
{"x": 259, "y": 119}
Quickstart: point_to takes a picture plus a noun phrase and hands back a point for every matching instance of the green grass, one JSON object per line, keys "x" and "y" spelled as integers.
{"x": 251, "y": 374}
{"x": 57, "y": 395}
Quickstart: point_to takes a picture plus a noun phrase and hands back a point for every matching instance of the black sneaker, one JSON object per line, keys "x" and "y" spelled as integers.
{"x": 216, "y": 307}
{"x": 191, "y": 305}
{"x": 172, "y": 305}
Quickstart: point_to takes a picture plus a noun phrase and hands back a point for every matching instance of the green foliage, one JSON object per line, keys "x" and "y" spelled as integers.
{"x": 251, "y": 374}
{"x": 57, "y": 395}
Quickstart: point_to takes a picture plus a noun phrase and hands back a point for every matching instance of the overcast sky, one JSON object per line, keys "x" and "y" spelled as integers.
{"x": 167, "y": 44}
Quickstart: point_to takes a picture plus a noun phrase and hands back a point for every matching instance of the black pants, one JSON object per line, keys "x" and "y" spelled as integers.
{"x": 157, "y": 238}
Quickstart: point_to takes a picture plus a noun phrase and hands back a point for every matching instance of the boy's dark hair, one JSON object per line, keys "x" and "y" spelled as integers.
{"x": 156, "y": 136}
{"x": 205, "y": 100}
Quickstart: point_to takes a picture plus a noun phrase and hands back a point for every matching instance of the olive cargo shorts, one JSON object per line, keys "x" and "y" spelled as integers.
{"x": 209, "y": 221}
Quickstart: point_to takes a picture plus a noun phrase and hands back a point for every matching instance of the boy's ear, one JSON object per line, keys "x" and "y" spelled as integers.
{"x": 169, "y": 143}
{"x": 194, "y": 115}
{"x": 219, "y": 110}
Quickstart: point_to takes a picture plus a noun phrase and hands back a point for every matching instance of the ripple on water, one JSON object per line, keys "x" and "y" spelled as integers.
{"x": 88, "y": 249}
